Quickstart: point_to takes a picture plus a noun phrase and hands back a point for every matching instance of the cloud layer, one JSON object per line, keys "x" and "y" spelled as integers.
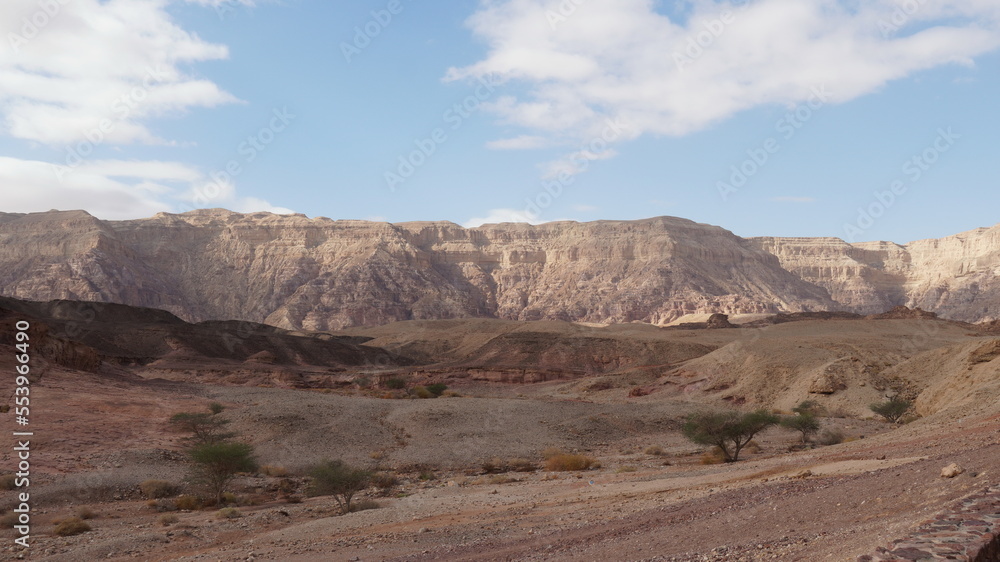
{"x": 585, "y": 62}
{"x": 85, "y": 73}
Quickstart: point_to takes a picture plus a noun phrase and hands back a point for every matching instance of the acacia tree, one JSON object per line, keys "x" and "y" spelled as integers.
{"x": 204, "y": 428}
{"x": 729, "y": 431}
{"x": 893, "y": 409}
{"x": 337, "y": 479}
{"x": 216, "y": 458}
{"x": 806, "y": 424}
{"x": 216, "y": 464}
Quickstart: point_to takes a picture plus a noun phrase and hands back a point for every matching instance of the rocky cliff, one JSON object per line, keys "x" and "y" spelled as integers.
{"x": 320, "y": 274}
{"x": 956, "y": 276}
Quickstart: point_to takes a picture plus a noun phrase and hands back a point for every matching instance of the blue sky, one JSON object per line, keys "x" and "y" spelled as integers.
{"x": 864, "y": 121}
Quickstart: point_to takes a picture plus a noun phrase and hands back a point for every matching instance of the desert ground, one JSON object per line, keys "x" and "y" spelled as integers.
{"x": 104, "y": 390}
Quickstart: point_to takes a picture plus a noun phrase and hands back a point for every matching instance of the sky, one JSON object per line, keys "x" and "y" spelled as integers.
{"x": 863, "y": 120}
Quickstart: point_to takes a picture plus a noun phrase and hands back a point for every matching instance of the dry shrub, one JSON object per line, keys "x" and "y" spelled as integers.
{"x": 8, "y": 520}
{"x": 830, "y": 437}
{"x": 713, "y": 456}
{"x": 7, "y": 482}
{"x": 550, "y": 452}
{"x": 187, "y": 503}
{"x": 568, "y": 462}
{"x": 384, "y": 480}
{"x": 752, "y": 448}
{"x": 293, "y": 499}
{"x": 154, "y": 489}
{"x": 654, "y": 450}
{"x": 501, "y": 479}
{"x": 627, "y": 468}
{"x": 162, "y": 505}
{"x": 70, "y": 526}
{"x": 85, "y": 512}
{"x": 274, "y": 470}
{"x": 422, "y": 392}
{"x": 517, "y": 464}
{"x": 451, "y": 394}
{"x": 228, "y": 513}
{"x": 364, "y": 505}
{"x": 168, "y": 519}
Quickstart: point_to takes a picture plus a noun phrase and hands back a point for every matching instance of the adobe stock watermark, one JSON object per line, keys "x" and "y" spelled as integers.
{"x": 914, "y": 169}
{"x": 365, "y": 34}
{"x": 697, "y": 43}
{"x": 32, "y": 25}
{"x": 562, "y": 13}
{"x": 900, "y": 16}
{"x": 425, "y": 147}
{"x": 552, "y": 189}
{"x": 120, "y": 110}
{"x": 249, "y": 149}
{"x": 226, "y": 7}
{"x": 759, "y": 156}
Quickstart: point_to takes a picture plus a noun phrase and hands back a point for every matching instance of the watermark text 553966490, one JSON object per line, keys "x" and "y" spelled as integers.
{"x": 22, "y": 447}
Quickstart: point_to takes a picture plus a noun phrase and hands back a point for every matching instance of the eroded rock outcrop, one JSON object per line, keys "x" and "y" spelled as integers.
{"x": 319, "y": 274}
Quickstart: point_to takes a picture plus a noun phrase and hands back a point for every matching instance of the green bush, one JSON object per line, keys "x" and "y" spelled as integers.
{"x": 216, "y": 464}
{"x": 806, "y": 424}
{"x": 893, "y": 409}
{"x": 395, "y": 383}
{"x": 340, "y": 480}
{"x": 437, "y": 389}
{"x": 809, "y": 407}
{"x": 730, "y": 431}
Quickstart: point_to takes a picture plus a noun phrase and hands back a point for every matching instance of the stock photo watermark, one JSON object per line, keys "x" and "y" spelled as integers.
{"x": 563, "y": 12}
{"x": 759, "y": 156}
{"x": 120, "y": 109}
{"x": 365, "y": 34}
{"x": 33, "y": 25}
{"x": 696, "y": 44}
{"x": 249, "y": 149}
{"x": 900, "y": 16}
{"x": 454, "y": 117}
{"x": 553, "y": 188}
{"x": 913, "y": 169}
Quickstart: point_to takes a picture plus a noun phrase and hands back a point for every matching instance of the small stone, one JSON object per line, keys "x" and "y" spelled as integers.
{"x": 951, "y": 471}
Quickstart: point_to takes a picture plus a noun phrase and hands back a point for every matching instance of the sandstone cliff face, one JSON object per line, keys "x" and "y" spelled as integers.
{"x": 956, "y": 276}
{"x": 319, "y": 274}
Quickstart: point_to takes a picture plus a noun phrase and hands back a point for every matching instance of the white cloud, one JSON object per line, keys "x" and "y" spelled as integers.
{"x": 519, "y": 143}
{"x": 116, "y": 63}
{"x": 620, "y": 59}
{"x": 81, "y": 74}
{"x": 115, "y": 189}
{"x": 497, "y": 216}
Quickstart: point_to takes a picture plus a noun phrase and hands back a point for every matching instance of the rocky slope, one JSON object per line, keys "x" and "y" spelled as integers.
{"x": 318, "y": 274}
